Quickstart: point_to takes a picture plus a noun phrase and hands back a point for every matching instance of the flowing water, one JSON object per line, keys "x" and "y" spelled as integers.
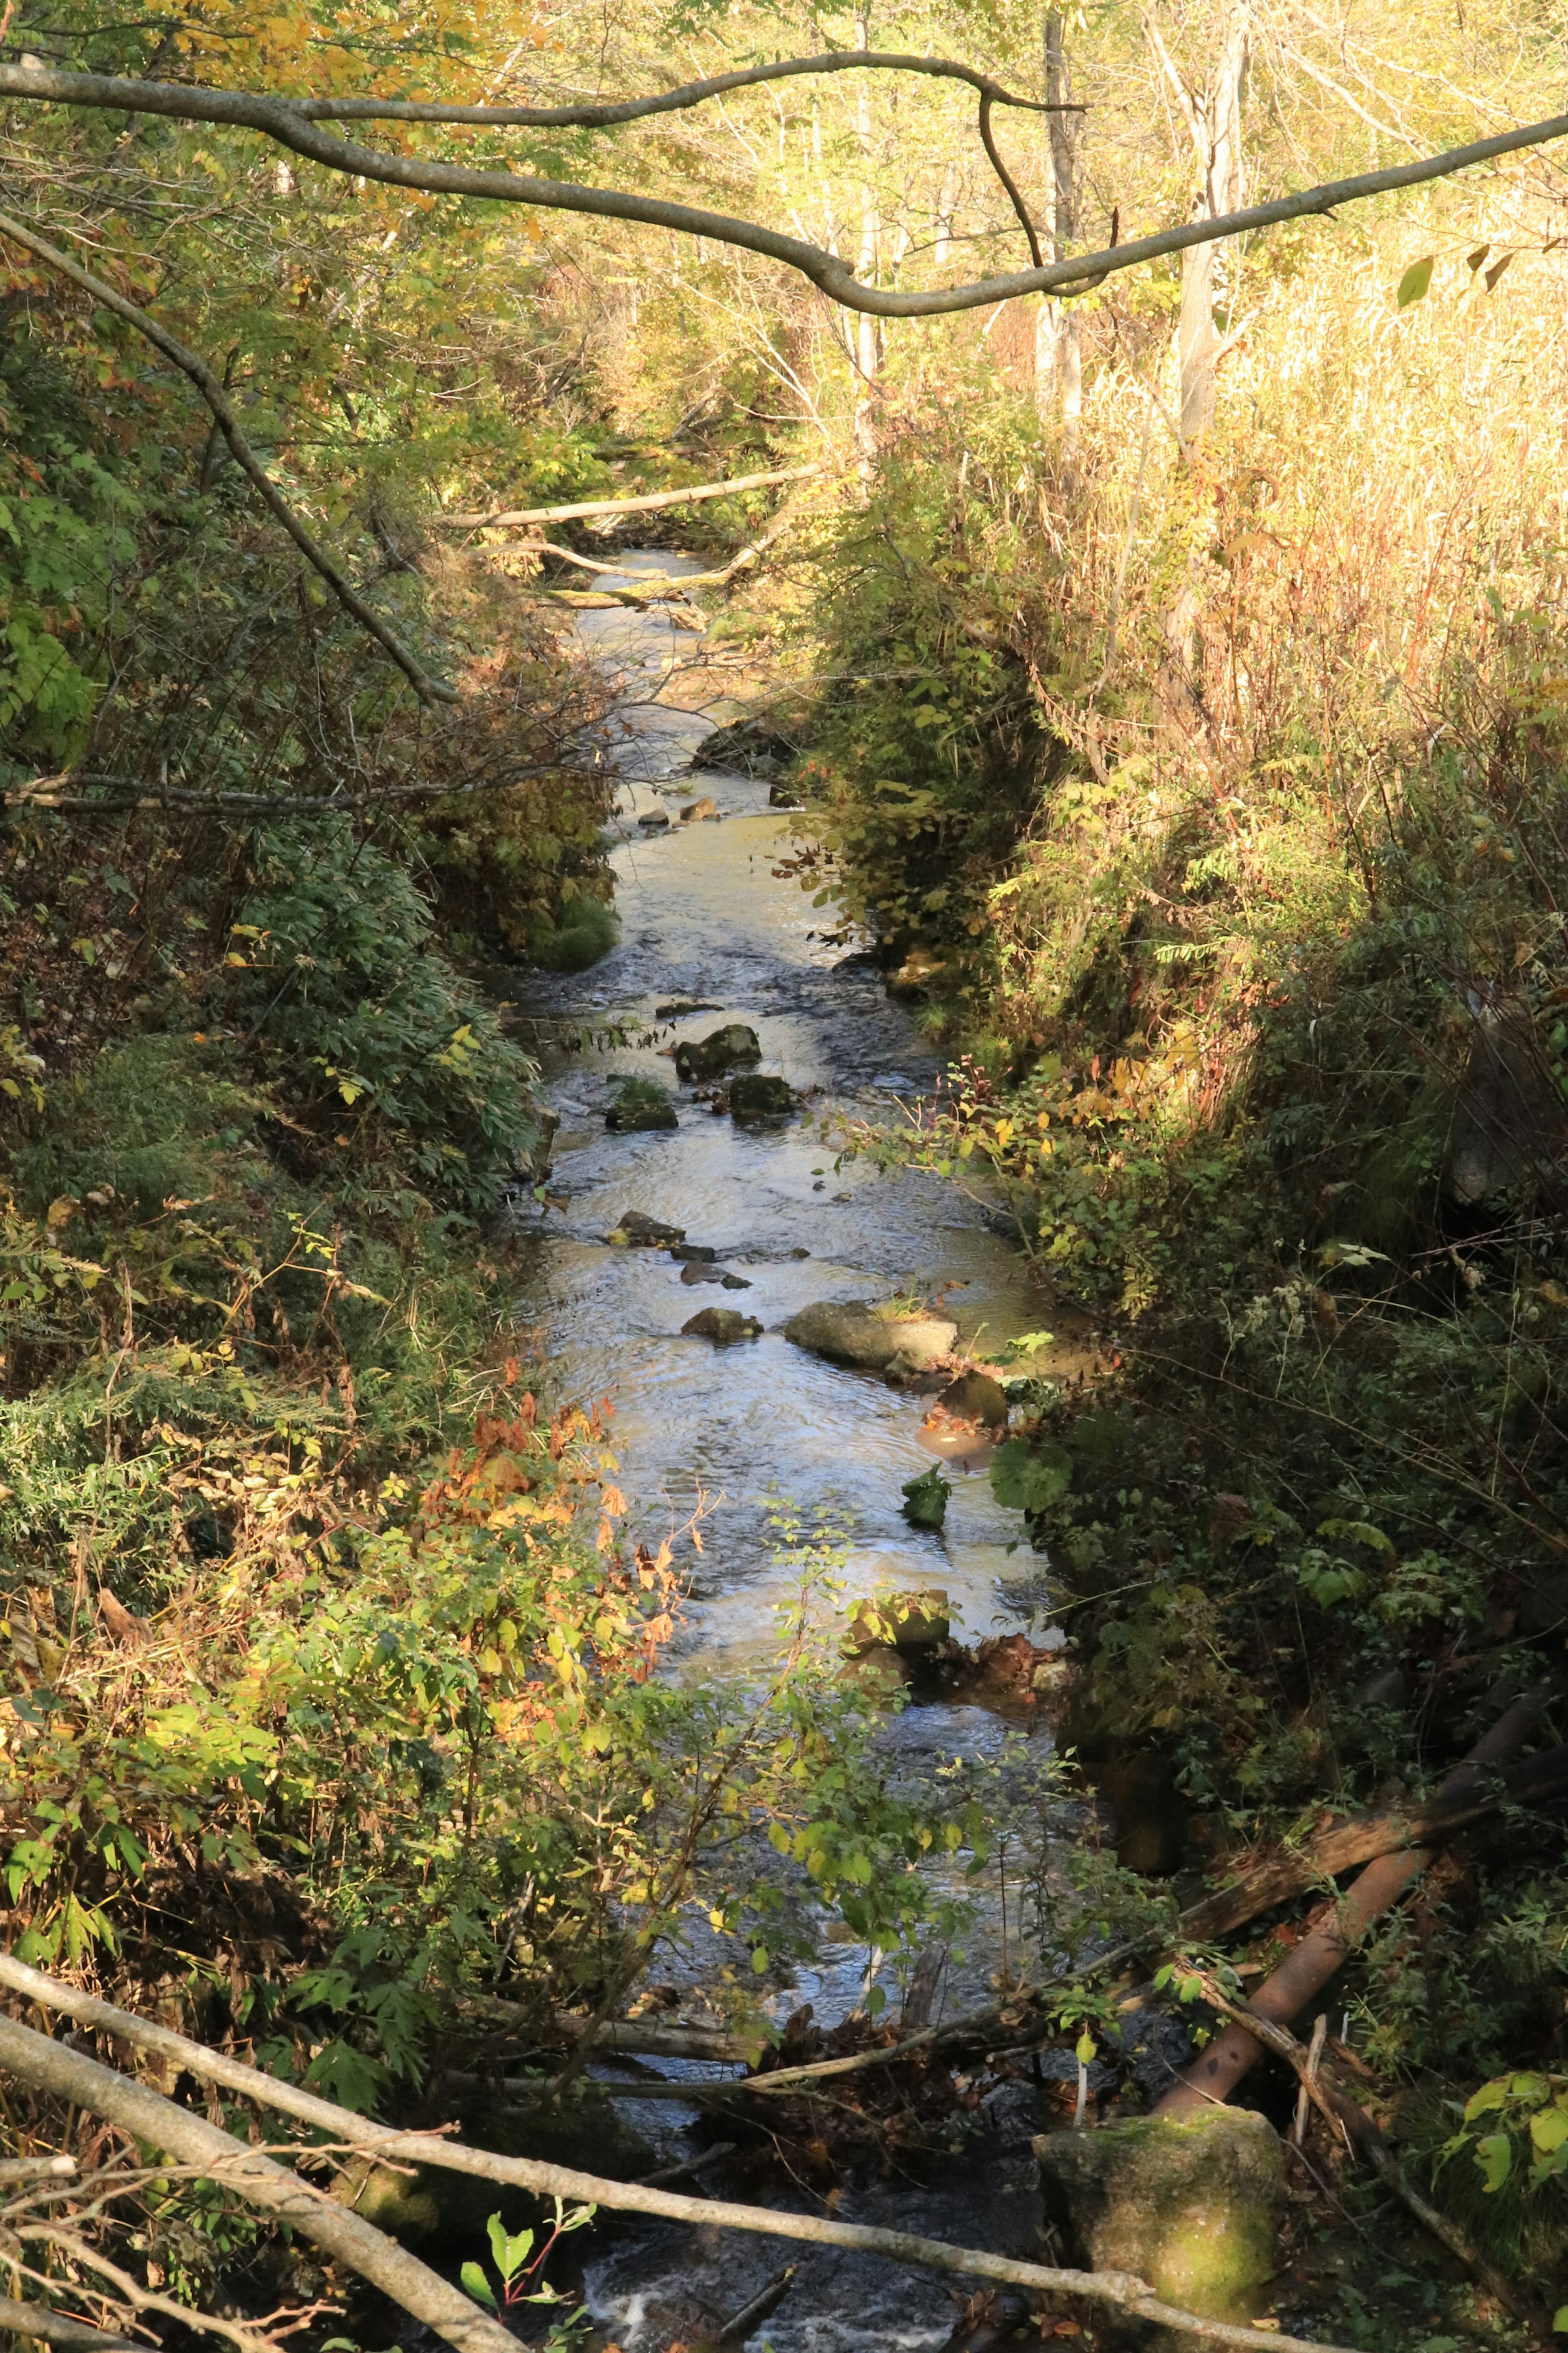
{"x": 704, "y": 919}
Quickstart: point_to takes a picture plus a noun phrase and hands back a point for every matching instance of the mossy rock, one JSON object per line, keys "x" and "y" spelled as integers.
{"x": 975, "y": 1396}
{"x": 855, "y": 1333}
{"x": 641, "y": 1103}
{"x": 755, "y": 1095}
{"x": 721, "y": 1050}
{"x": 1193, "y": 2206}
{"x": 907, "y": 1622}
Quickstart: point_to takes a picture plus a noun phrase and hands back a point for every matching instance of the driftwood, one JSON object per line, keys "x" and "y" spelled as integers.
{"x": 643, "y": 2037}
{"x": 50, "y": 2065}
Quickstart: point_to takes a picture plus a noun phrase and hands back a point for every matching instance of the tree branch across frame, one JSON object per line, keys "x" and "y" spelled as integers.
{"x": 293, "y": 123}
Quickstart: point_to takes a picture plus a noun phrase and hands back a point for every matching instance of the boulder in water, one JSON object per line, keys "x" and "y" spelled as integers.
{"x": 902, "y": 1621}
{"x": 698, "y": 810}
{"x": 755, "y": 1095}
{"x": 975, "y": 1396}
{"x": 633, "y": 1229}
{"x": 722, "y": 1050}
{"x": 641, "y": 1103}
{"x": 855, "y": 1333}
{"x": 722, "y": 1325}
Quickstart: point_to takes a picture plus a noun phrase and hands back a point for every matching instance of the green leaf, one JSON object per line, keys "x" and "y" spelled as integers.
{"x": 479, "y": 2287}
{"x": 1490, "y": 2095}
{"x": 1085, "y": 2048}
{"x": 1560, "y": 2320}
{"x": 1549, "y": 2130}
{"x": 1025, "y": 1478}
{"x": 1415, "y": 281}
{"x": 1495, "y": 2158}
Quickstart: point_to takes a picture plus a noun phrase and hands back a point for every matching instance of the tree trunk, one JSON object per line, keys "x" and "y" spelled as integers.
{"x": 1214, "y": 122}
{"x": 867, "y": 330}
{"x": 1058, "y": 373}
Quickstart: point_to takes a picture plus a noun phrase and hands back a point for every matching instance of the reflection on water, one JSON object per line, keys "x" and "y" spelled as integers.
{"x": 703, "y": 916}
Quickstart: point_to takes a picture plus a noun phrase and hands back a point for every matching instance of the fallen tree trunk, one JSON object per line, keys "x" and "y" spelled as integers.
{"x": 647, "y": 503}
{"x": 1273, "y": 1880}
{"x": 1310, "y": 1965}
{"x": 1280, "y": 1876}
{"x": 118, "y": 2099}
{"x": 38, "y": 2060}
{"x": 54, "y": 2329}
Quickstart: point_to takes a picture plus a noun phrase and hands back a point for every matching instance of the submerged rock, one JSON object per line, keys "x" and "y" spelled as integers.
{"x": 720, "y": 1051}
{"x": 1193, "y": 2206}
{"x": 723, "y": 1325}
{"x": 855, "y": 1333}
{"x": 682, "y": 1007}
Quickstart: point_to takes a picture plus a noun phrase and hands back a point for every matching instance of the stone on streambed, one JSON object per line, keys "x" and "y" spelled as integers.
{"x": 1192, "y": 2206}
{"x": 721, "y": 1050}
{"x": 641, "y": 1104}
{"x": 855, "y": 1333}
{"x": 636, "y": 1232}
{"x": 906, "y": 1622}
{"x": 755, "y": 1096}
{"x": 722, "y": 1325}
{"x": 698, "y": 810}
{"x": 975, "y": 1396}
{"x": 700, "y": 1273}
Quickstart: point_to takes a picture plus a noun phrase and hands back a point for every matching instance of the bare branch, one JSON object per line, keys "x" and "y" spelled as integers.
{"x": 54, "y": 2329}
{"x": 127, "y": 793}
{"x": 600, "y": 116}
{"x": 429, "y": 690}
{"x": 988, "y": 142}
{"x": 68, "y": 2074}
{"x": 288, "y": 124}
{"x": 1120, "y": 2289}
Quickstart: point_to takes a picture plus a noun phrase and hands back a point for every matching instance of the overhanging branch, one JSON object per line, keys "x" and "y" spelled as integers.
{"x": 191, "y": 363}
{"x": 291, "y": 124}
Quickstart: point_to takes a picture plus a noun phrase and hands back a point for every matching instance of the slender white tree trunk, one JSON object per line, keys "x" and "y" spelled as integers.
{"x": 1058, "y": 366}
{"x": 1213, "y": 117}
{"x": 867, "y": 334}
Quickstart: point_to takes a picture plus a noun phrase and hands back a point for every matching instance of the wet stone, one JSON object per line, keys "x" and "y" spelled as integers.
{"x": 755, "y": 1096}
{"x": 722, "y": 1325}
{"x": 646, "y": 1233}
{"x": 721, "y": 1050}
{"x": 853, "y": 1333}
{"x": 975, "y": 1396}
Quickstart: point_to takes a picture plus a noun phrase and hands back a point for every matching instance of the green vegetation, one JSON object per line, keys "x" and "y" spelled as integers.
{"x": 1172, "y": 676}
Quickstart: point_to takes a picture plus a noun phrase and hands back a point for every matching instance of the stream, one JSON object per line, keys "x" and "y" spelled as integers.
{"x": 704, "y": 919}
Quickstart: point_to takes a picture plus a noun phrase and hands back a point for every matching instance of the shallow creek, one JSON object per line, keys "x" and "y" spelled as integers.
{"x": 704, "y": 919}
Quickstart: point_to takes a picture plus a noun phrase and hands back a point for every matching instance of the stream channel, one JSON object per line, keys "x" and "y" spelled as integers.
{"x": 704, "y": 919}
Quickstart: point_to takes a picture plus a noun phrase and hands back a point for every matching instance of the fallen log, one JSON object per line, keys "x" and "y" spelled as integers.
{"x": 1310, "y": 1965}
{"x": 1277, "y": 1877}
{"x": 55, "y": 2328}
{"x": 52, "y": 2067}
{"x": 647, "y": 503}
{"x": 644, "y": 2038}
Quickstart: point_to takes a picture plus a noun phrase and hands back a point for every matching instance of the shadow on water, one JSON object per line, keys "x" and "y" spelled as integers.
{"x": 703, "y": 918}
